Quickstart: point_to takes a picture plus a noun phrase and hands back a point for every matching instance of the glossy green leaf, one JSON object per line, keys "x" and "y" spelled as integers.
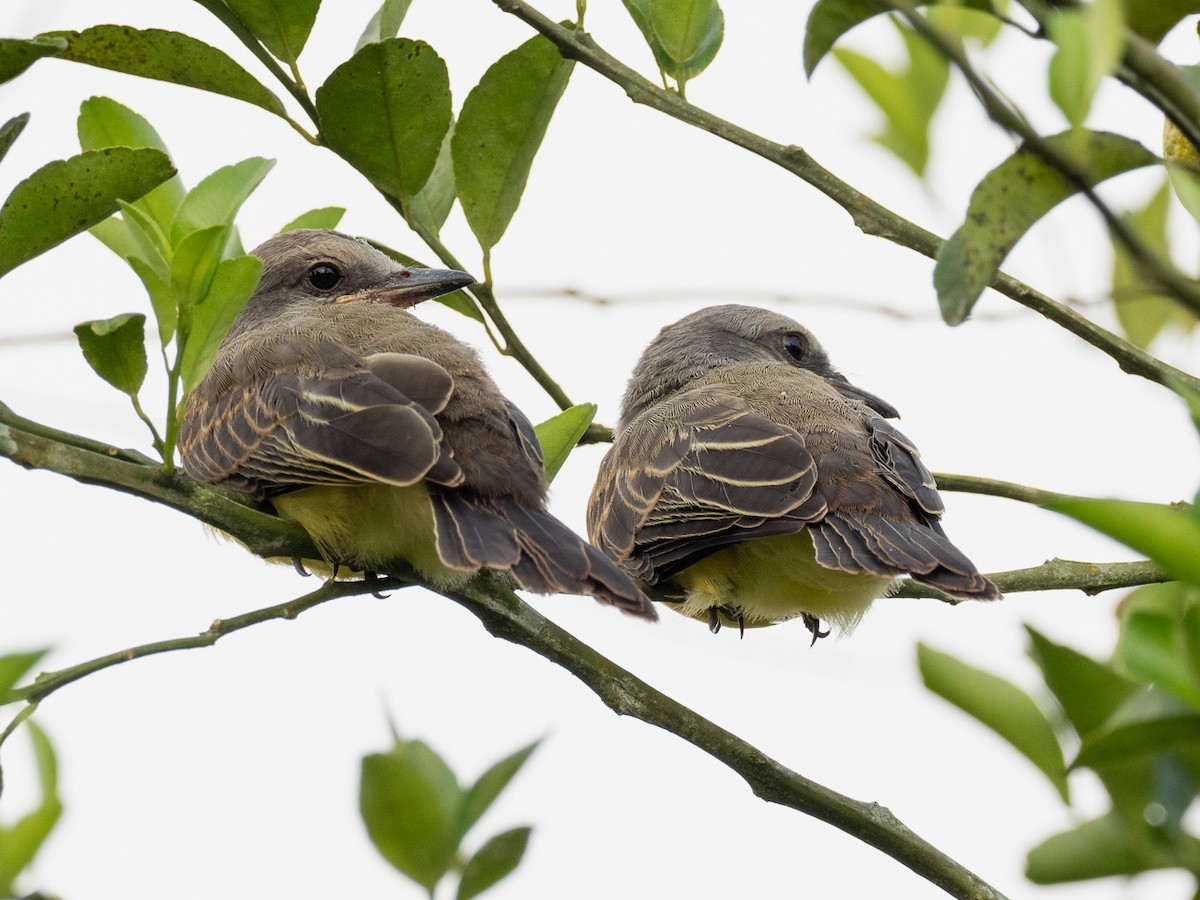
{"x": 431, "y": 205}
{"x": 484, "y": 792}
{"x": 20, "y": 841}
{"x": 10, "y": 131}
{"x": 66, "y": 197}
{"x": 908, "y": 99}
{"x": 689, "y": 32}
{"x": 325, "y": 218}
{"x": 17, "y": 55}
{"x": 1142, "y": 309}
{"x": 1006, "y": 204}
{"x": 1087, "y": 691}
{"x": 232, "y": 284}
{"x": 409, "y": 802}
{"x": 385, "y": 23}
{"x": 495, "y": 859}
{"x": 282, "y": 26}
{"x": 166, "y": 56}
{"x": 106, "y": 123}
{"x": 559, "y": 435}
{"x": 1090, "y": 39}
{"x": 116, "y": 350}
{"x": 1152, "y": 19}
{"x": 1094, "y": 849}
{"x": 217, "y": 199}
{"x": 639, "y": 11}
{"x": 386, "y": 110}
{"x": 830, "y": 19}
{"x": 499, "y": 131}
{"x": 999, "y": 705}
{"x": 1169, "y": 536}
{"x": 968, "y": 20}
{"x": 13, "y": 667}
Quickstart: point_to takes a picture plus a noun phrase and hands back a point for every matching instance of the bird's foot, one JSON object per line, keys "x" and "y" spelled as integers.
{"x": 813, "y": 624}
{"x": 714, "y": 620}
{"x": 375, "y": 576}
{"x": 298, "y": 565}
{"x": 729, "y": 612}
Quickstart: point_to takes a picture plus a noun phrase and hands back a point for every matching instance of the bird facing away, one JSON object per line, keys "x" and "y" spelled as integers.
{"x": 750, "y": 480}
{"x": 379, "y": 434}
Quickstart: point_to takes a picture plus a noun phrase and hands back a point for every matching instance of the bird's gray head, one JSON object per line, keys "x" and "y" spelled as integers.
{"x": 306, "y": 269}
{"x": 721, "y": 336}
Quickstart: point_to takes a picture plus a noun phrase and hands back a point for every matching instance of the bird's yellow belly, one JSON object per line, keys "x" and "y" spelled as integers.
{"x": 772, "y": 579}
{"x": 369, "y": 527}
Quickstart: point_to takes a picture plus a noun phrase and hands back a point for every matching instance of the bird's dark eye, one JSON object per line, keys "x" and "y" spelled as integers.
{"x": 323, "y": 276}
{"x": 794, "y": 345}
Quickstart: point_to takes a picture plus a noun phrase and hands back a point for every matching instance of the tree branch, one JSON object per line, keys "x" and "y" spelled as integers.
{"x": 1056, "y": 574}
{"x": 869, "y": 216}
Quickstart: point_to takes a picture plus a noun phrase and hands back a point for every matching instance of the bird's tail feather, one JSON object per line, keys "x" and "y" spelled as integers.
{"x": 542, "y": 554}
{"x": 867, "y": 543}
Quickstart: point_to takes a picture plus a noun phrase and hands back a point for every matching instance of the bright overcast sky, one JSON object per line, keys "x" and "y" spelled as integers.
{"x": 233, "y": 771}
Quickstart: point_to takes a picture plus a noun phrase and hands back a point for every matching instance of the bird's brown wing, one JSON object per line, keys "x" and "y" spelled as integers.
{"x": 699, "y": 473}
{"x": 887, "y": 522}
{"x": 346, "y": 421}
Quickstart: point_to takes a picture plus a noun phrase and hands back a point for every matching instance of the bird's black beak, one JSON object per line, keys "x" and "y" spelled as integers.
{"x": 878, "y": 404}
{"x": 408, "y": 287}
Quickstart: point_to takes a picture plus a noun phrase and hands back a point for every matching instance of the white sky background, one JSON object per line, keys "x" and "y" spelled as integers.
{"x": 233, "y": 771}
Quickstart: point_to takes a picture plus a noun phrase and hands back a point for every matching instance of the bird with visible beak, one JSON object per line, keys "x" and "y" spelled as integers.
{"x": 378, "y": 433}
{"x": 753, "y": 483}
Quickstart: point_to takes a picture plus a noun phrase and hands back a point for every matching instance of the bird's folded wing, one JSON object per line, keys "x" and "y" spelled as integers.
{"x": 342, "y": 424}
{"x": 699, "y": 473}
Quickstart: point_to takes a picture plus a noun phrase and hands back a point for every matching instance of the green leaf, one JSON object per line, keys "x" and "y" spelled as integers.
{"x": 17, "y": 55}
{"x": 166, "y": 56}
{"x": 1095, "y": 849}
{"x": 13, "y": 667}
{"x": 386, "y": 110}
{"x": 232, "y": 284}
{"x": 431, "y": 205}
{"x": 689, "y": 32}
{"x": 327, "y": 217}
{"x": 639, "y": 11}
{"x": 830, "y": 19}
{"x": 66, "y": 197}
{"x": 501, "y": 126}
{"x": 116, "y": 349}
{"x": 1142, "y": 309}
{"x": 193, "y": 266}
{"x": 999, "y": 705}
{"x": 1152, "y": 19}
{"x": 1090, "y": 39}
{"x": 282, "y": 26}
{"x": 106, "y": 123}
{"x": 409, "y": 802}
{"x": 495, "y": 859}
{"x": 1146, "y": 724}
{"x": 1169, "y": 536}
{"x": 559, "y": 435}
{"x": 217, "y": 199}
{"x": 1087, "y": 691}
{"x": 908, "y": 99}
{"x": 1009, "y": 200}
{"x": 484, "y": 792}
{"x": 385, "y": 23}
{"x": 20, "y": 841}
{"x": 162, "y": 297}
{"x": 1159, "y": 640}
{"x": 10, "y": 131}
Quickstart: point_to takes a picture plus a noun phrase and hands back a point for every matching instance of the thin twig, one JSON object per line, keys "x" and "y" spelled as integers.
{"x": 1056, "y": 574}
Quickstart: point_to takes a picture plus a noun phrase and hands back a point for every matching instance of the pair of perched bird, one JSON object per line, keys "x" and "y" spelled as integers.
{"x": 749, "y": 481}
